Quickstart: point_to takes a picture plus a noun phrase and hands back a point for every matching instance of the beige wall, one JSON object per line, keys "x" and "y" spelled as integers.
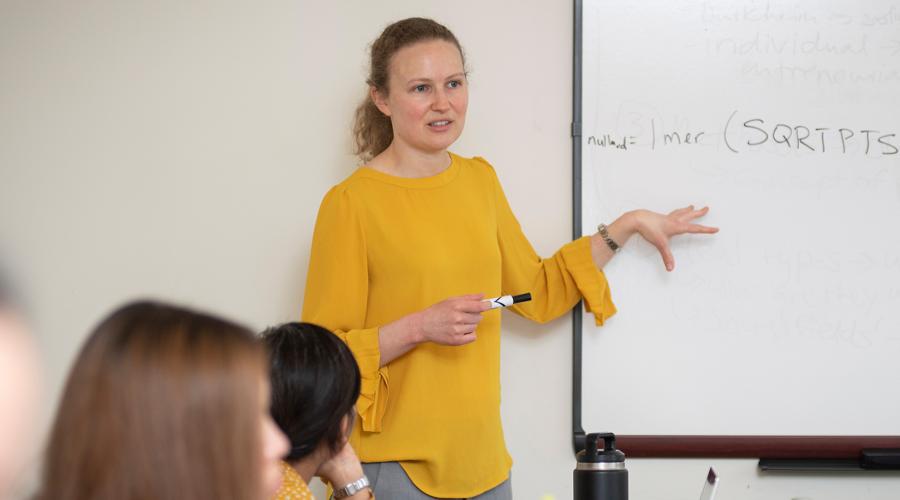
{"x": 180, "y": 150}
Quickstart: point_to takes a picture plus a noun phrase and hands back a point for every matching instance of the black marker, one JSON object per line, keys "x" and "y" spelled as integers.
{"x": 508, "y": 300}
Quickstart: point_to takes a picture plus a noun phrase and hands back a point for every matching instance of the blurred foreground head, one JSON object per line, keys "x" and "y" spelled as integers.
{"x": 19, "y": 390}
{"x": 164, "y": 402}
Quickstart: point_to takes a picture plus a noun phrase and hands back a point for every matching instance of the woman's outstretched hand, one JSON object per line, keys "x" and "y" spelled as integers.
{"x": 658, "y": 229}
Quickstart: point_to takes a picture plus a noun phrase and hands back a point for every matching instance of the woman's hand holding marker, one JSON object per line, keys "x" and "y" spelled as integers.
{"x": 452, "y": 321}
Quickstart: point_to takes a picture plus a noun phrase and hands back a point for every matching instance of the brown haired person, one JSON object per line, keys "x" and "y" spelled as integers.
{"x": 165, "y": 402}
{"x": 403, "y": 254}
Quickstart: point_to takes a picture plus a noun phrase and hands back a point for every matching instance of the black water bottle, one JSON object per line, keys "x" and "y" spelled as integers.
{"x": 601, "y": 474}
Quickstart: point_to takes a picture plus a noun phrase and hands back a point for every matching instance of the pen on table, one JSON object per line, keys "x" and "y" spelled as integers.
{"x": 508, "y": 300}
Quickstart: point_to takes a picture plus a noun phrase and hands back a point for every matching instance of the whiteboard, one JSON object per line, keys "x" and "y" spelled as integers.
{"x": 783, "y": 117}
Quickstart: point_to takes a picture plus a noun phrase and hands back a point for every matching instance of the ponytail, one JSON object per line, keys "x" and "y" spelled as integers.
{"x": 372, "y": 130}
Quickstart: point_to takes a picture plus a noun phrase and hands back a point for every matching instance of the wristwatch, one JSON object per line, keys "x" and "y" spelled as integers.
{"x": 604, "y": 233}
{"x": 352, "y": 488}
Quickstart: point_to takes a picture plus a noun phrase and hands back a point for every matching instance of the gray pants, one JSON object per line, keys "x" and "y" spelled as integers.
{"x": 390, "y": 482}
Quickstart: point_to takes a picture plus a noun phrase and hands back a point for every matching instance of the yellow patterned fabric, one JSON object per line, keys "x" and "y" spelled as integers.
{"x": 387, "y": 246}
{"x": 293, "y": 487}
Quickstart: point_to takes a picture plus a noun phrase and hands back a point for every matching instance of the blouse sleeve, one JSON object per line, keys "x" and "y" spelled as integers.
{"x": 337, "y": 293}
{"x": 556, "y": 283}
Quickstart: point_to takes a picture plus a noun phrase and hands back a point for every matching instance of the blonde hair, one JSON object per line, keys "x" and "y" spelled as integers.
{"x": 372, "y": 130}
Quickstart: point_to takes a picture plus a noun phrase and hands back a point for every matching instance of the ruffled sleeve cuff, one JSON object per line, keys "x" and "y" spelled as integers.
{"x": 374, "y": 384}
{"x": 591, "y": 282}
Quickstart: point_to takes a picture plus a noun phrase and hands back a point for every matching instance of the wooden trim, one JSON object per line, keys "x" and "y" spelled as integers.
{"x": 815, "y": 447}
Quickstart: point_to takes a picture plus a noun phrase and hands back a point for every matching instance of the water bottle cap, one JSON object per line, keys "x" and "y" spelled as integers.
{"x": 592, "y": 454}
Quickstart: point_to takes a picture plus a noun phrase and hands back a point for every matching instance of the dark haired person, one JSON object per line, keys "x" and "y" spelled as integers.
{"x": 165, "y": 403}
{"x": 315, "y": 384}
{"x": 406, "y": 249}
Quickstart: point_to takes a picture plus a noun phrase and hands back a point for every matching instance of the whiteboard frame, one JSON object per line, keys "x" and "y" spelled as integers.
{"x": 817, "y": 452}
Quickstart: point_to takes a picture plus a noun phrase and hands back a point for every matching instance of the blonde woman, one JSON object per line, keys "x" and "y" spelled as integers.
{"x": 403, "y": 254}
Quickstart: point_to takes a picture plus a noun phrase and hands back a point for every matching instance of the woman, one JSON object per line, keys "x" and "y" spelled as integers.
{"x": 403, "y": 254}
{"x": 315, "y": 383}
{"x": 164, "y": 402}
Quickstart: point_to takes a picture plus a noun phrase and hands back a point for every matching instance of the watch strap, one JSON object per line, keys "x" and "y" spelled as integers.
{"x": 604, "y": 233}
{"x": 352, "y": 488}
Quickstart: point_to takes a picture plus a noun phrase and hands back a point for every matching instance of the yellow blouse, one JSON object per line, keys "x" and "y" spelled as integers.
{"x": 293, "y": 487}
{"x": 387, "y": 246}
